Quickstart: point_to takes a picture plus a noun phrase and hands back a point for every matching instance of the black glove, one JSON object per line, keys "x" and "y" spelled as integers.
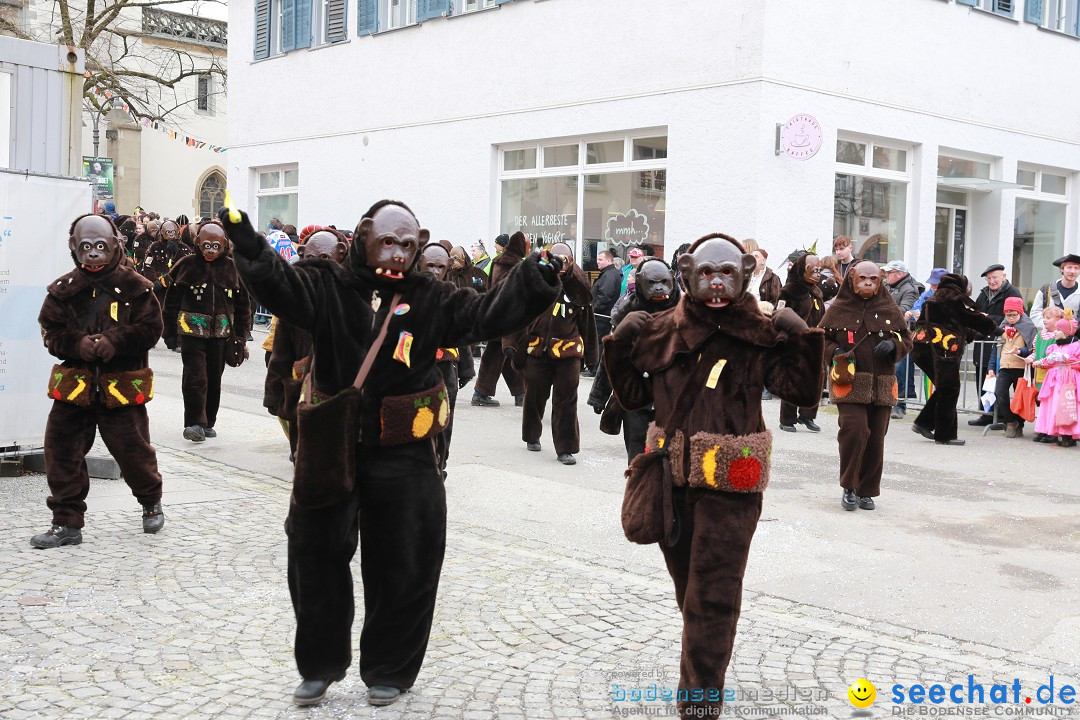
{"x": 86, "y": 350}
{"x": 787, "y": 320}
{"x": 172, "y": 247}
{"x": 885, "y": 349}
{"x": 159, "y": 287}
{"x": 171, "y": 343}
{"x": 242, "y": 235}
{"x": 598, "y": 410}
{"x": 549, "y": 261}
{"x": 463, "y": 381}
{"x": 509, "y": 353}
{"x": 103, "y": 348}
{"x": 630, "y": 326}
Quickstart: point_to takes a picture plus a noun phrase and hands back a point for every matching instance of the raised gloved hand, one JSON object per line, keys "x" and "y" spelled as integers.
{"x": 103, "y": 348}
{"x": 631, "y": 325}
{"x": 86, "y": 350}
{"x": 242, "y": 235}
{"x": 549, "y": 261}
{"x": 463, "y": 381}
{"x": 885, "y": 349}
{"x": 787, "y": 320}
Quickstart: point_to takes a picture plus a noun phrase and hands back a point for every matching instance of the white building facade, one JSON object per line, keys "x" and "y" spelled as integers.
{"x": 938, "y": 132}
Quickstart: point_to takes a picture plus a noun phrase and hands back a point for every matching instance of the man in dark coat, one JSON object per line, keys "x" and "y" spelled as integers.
{"x": 865, "y": 335}
{"x": 991, "y": 301}
{"x": 494, "y": 361}
{"x": 550, "y": 352}
{"x": 949, "y": 321}
{"x": 703, "y": 365}
{"x": 99, "y": 320}
{"x": 802, "y": 294}
{"x": 605, "y": 292}
{"x": 397, "y": 505}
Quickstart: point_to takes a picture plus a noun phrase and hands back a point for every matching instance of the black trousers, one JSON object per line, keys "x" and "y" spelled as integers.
{"x": 862, "y": 446}
{"x": 559, "y": 380}
{"x": 1006, "y": 381}
{"x": 939, "y": 413}
{"x": 69, "y": 435}
{"x": 791, "y": 413}
{"x": 635, "y": 429}
{"x": 449, "y": 372}
{"x": 493, "y": 363}
{"x": 397, "y": 512}
{"x": 204, "y": 364}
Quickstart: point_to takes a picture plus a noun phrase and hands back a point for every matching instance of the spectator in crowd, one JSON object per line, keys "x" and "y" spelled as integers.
{"x": 636, "y": 255}
{"x": 931, "y": 285}
{"x": 905, "y": 290}
{"x": 1061, "y": 294}
{"x": 991, "y": 301}
{"x": 844, "y": 252}
{"x": 481, "y": 259}
{"x": 605, "y": 292}
{"x": 1019, "y": 338}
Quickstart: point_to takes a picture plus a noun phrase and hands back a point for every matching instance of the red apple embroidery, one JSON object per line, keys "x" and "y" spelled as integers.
{"x": 744, "y": 472}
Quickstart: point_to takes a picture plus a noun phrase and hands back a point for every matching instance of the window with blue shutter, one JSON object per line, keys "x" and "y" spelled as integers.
{"x": 1002, "y": 7}
{"x": 972, "y": 3}
{"x": 1033, "y": 11}
{"x": 302, "y": 23}
{"x": 428, "y": 9}
{"x": 500, "y": 2}
{"x": 288, "y": 25}
{"x": 262, "y": 29}
{"x": 367, "y": 17}
{"x": 336, "y": 20}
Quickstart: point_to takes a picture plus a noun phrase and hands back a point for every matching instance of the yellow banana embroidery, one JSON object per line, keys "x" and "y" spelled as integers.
{"x": 115, "y": 393}
{"x": 183, "y": 323}
{"x": 78, "y": 389}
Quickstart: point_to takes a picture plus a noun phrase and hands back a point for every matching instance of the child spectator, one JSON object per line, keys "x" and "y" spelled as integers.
{"x": 1057, "y": 411}
{"x": 1018, "y": 333}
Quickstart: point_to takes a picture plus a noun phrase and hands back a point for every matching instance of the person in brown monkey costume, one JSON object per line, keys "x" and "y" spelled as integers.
{"x": 455, "y": 364}
{"x": 802, "y": 294}
{"x": 100, "y": 319}
{"x": 166, "y": 250}
{"x": 949, "y": 320}
{"x": 864, "y": 328}
{"x": 704, "y": 364}
{"x": 551, "y": 351}
{"x": 463, "y": 273}
{"x": 290, "y": 354}
{"x": 206, "y": 309}
{"x": 496, "y": 358}
{"x": 397, "y": 506}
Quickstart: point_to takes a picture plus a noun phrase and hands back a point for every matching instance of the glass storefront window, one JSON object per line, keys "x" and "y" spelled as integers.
{"x": 873, "y": 214}
{"x": 654, "y": 148}
{"x": 269, "y": 180}
{"x": 1038, "y": 239}
{"x": 561, "y": 156}
{"x": 545, "y": 209}
{"x": 524, "y": 159}
{"x": 958, "y": 167}
{"x": 1053, "y": 184}
{"x": 850, "y": 153}
{"x": 624, "y": 210}
{"x": 1025, "y": 177}
{"x": 283, "y": 207}
{"x": 890, "y": 159}
{"x": 597, "y": 153}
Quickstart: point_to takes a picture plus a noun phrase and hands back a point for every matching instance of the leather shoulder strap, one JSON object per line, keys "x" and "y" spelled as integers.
{"x": 369, "y": 359}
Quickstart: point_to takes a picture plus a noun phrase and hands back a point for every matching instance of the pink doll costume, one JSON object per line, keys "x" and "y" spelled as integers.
{"x": 1063, "y": 361}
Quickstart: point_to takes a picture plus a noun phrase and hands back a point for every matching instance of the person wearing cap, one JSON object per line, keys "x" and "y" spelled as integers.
{"x": 991, "y": 301}
{"x": 1061, "y": 293}
{"x": 480, "y": 258}
{"x": 1019, "y": 338}
{"x": 931, "y": 285}
{"x": 635, "y": 255}
{"x": 904, "y": 291}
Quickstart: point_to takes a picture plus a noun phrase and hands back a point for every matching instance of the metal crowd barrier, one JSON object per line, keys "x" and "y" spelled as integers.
{"x": 970, "y": 384}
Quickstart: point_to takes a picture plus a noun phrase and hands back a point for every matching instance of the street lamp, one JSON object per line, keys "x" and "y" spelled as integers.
{"x": 95, "y": 116}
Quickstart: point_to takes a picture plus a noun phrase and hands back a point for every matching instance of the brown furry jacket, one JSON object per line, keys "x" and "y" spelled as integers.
{"x": 949, "y": 320}
{"x": 805, "y": 299}
{"x": 206, "y": 293}
{"x": 570, "y": 317}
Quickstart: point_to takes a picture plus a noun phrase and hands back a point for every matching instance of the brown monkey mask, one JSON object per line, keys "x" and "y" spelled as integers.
{"x": 435, "y": 261}
{"x": 212, "y": 242}
{"x": 94, "y": 244}
{"x": 812, "y": 270}
{"x": 392, "y": 241}
{"x": 169, "y": 230}
{"x": 715, "y": 271}
{"x": 563, "y": 252}
{"x": 653, "y": 281}
{"x": 866, "y": 280}
{"x": 324, "y": 245}
{"x": 457, "y": 258}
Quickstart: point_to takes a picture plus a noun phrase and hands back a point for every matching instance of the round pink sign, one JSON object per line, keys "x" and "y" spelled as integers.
{"x": 800, "y": 137}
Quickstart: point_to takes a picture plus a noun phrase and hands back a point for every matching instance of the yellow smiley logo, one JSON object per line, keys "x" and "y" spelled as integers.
{"x": 862, "y": 693}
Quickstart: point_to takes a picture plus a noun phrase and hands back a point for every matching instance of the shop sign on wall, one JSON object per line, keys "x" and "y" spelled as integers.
{"x": 799, "y": 138}
{"x": 546, "y": 228}
{"x": 626, "y": 229}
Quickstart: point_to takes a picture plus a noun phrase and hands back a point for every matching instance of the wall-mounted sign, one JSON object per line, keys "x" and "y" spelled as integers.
{"x": 627, "y": 229}
{"x": 799, "y": 137}
{"x": 100, "y": 172}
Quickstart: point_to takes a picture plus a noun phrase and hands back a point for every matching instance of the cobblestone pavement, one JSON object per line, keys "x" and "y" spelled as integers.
{"x": 196, "y": 622}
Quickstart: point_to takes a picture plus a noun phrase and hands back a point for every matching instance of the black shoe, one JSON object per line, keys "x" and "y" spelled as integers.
{"x": 484, "y": 400}
{"x": 382, "y": 695}
{"x": 897, "y": 413}
{"x": 787, "y": 428}
{"x": 311, "y": 692}
{"x": 810, "y": 424}
{"x": 568, "y": 459}
{"x": 209, "y": 432}
{"x": 925, "y": 432}
{"x": 587, "y": 373}
{"x": 519, "y": 400}
{"x": 955, "y": 441}
{"x": 152, "y": 518}
{"x": 848, "y": 501}
{"x": 1039, "y": 437}
{"x": 194, "y": 433}
{"x": 56, "y": 536}
{"x": 981, "y": 421}
{"x": 866, "y": 503}
{"x": 1066, "y": 442}
{"x": 292, "y": 458}
{"x": 533, "y": 446}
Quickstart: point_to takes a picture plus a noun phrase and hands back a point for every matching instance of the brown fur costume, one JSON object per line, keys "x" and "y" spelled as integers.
{"x": 809, "y": 304}
{"x": 673, "y": 363}
{"x": 130, "y": 317}
{"x": 493, "y": 362}
{"x": 948, "y": 322}
{"x": 855, "y": 326}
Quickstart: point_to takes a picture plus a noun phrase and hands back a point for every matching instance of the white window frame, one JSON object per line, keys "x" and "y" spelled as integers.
{"x": 1060, "y": 15}
{"x": 471, "y": 6}
{"x": 869, "y": 172}
{"x": 320, "y": 31}
{"x": 281, "y": 189}
{"x": 409, "y": 7}
{"x": 1038, "y": 193}
{"x": 988, "y": 6}
{"x": 210, "y": 92}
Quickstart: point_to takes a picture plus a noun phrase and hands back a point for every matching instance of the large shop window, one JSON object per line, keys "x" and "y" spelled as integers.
{"x": 596, "y": 193}
{"x": 278, "y": 191}
{"x": 1039, "y": 228}
{"x": 870, "y": 199}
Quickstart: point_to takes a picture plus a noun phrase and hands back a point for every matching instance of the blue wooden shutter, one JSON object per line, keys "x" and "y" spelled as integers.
{"x": 428, "y": 9}
{"x": 1003, "y": 7}
{"x": 335, "y": 20}
{"x": 288, "y": 25}
{"x": 1033, "y": 11}
{"x": 500, "y": 2}
{"x": 972, "y": 3}
{"x": 367, "y": 17}
{"x": 262, "y": 29}
{"x": 302, "y": 36}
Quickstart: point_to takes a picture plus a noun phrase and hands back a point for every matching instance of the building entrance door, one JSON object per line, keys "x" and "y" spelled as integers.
{"x": 950, "y": 236}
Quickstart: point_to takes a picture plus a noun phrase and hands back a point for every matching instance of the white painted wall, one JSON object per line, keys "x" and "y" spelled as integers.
{"x": 417, "y": 113}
